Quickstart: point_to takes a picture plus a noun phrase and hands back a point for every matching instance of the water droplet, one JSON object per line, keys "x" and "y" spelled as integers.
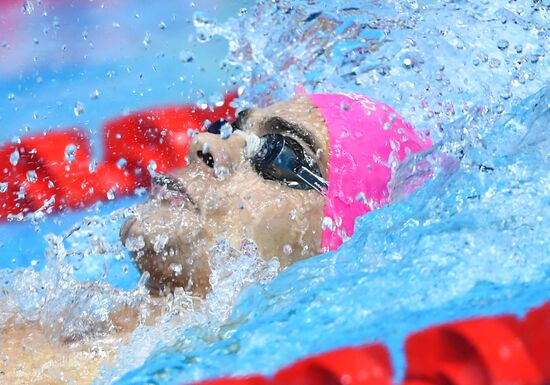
{"x": 11, "y": 96}
{"x": 121, "y": 163}
{"x": 360, "y": 197}
{"x": 243, "y": 11}
{"x": 408, "y": 63}
{"x": 78, "y": 108}
{"x": 387, "y": 126}
{"x": 95, "y": 94}
{"x": 147, "y": 39}
{"x": 287, "y": 249}
{"x": 177, "y": 268}
{"x": 226, "y": 130}
{"x": 70, "y": 153}
{"x": 186, "y": 56}
{"x": 502, "y": 44}
{"x": 134, "y": 243}
{"x": 31, "y": 176}
{"x": 392, "y": 117}
{"x": 28, "y": 7}
{"x": 507, "y": 94}
{"x": 345, "y": 106}
{"x": 162, "y": 25}
{"x": 199, "y": 20}
{"x": 518, "y": 48}
{"x": 111, "y": 194}
{"x": 34, "y": 262}
{"x": 151, "y": 167}
{"x": 21, "y": 193}
{"x": 3, "y": 187}
{"x": 14, "y": 157}
{"x": 494, "y": 63}
{"x": 159, "y": 242}
{"x": 92, "y": 166}
{"x": 327, "y": 224}
{"x": 221, "y": 172}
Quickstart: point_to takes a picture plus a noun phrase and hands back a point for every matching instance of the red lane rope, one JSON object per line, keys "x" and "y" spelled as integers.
{"x": 500, "y": 350}
{"x": 53, "y": 170}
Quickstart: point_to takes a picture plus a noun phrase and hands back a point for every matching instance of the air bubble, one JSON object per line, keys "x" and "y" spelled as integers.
{"x": 162, "y": 25}
{"x": 3, "y": 187}
{"x": 11, "y": 96}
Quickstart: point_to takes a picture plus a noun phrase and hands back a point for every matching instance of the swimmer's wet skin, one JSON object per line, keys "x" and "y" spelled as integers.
{"x": 292, "y": 178}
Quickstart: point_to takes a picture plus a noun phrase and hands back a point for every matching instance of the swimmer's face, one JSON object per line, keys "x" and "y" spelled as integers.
{"x": 202, "y": 205}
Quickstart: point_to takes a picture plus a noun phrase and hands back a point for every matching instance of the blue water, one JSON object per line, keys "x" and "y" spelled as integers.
{"x": 474, "y": 240}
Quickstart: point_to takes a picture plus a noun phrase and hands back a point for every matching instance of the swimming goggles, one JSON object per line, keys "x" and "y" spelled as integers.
{"x": 280, "y": 158}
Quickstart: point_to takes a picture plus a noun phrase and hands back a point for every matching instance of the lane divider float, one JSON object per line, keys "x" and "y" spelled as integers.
{"x": 54, "y": 171}
{"x": 500, "y": 350}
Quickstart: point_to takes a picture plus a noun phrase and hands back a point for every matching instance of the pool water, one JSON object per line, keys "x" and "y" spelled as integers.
{"x": 474, "y": 240}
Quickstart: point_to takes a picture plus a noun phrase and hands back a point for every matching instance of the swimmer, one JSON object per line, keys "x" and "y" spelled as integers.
{"x": 291, "y": 177}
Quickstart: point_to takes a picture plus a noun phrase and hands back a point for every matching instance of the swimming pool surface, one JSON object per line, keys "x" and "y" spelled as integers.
{"x": 472, "y": 241}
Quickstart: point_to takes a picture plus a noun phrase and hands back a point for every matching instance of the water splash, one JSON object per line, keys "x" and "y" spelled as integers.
{"x": 468, "y": 242}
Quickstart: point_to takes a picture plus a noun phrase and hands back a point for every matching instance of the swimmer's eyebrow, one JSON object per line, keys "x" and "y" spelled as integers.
{"x": 277, "y": 124}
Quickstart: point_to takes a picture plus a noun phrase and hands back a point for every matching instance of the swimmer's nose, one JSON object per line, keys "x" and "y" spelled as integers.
{"x": 214, "y": 151}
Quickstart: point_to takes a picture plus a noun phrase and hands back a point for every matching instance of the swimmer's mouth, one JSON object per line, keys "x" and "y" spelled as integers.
{"x": 165, "y": 187}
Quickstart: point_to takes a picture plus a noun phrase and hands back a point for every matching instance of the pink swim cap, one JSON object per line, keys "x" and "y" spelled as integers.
{"x": 367, "y": 140}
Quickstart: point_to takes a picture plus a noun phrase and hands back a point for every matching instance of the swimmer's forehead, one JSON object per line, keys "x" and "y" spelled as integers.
{"x": 296, "y": 115}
